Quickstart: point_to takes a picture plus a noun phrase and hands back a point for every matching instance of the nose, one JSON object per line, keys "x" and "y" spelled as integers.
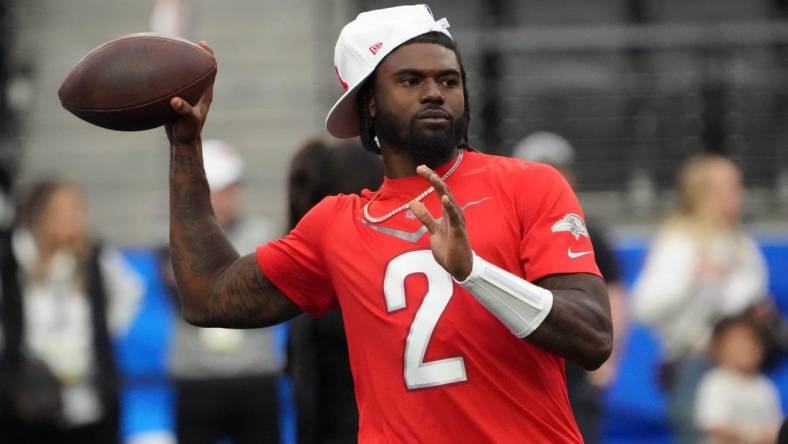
{"x": 431, "y": 92}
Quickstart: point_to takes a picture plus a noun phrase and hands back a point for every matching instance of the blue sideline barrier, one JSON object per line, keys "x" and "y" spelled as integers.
{"x": 148, "y": 397}
{"x": 634, "y": 405}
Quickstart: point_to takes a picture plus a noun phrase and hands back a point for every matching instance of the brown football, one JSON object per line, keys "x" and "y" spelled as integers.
{"x": 126, "y": 84}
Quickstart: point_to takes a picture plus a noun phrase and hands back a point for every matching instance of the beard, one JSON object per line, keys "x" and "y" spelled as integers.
{"x": 428, "y": 146}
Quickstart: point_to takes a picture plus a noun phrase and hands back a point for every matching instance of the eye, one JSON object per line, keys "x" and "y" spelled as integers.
{"x": 409, "y": 81}
{"x": 450, "y": 82}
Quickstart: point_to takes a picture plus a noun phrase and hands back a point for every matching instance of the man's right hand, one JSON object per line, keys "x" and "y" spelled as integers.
{"x": 187, "y": 129}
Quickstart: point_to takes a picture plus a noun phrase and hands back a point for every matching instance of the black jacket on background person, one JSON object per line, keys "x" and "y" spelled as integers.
{"x": 15, "y": 364}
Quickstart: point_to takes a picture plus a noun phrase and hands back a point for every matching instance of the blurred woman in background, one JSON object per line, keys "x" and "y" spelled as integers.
{"x": 64, "y": 297}
{"x": 701, "y": 267}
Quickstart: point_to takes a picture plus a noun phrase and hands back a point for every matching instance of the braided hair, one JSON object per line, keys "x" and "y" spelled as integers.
{"x": 365, "y": 93}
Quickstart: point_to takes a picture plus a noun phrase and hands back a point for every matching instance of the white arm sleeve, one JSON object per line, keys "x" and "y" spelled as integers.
{"x": 519, "y": 304}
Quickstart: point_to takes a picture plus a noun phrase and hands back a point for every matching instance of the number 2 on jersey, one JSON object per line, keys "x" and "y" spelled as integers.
{"x": 420, "y": 374}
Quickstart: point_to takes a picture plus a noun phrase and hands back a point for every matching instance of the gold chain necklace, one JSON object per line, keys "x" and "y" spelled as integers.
{"x": 421, "y": 196}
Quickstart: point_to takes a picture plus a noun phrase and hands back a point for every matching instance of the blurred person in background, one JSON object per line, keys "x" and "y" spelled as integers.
{"x": 318, "y": 353}
{"x": 702, "y": 267}
{"x": 736, "y": 402}
{"x": 65, "y": 296}
{"x": 585, "y": 388}
{"x": 7, "y": 210}
{"x": 226, "y": 379}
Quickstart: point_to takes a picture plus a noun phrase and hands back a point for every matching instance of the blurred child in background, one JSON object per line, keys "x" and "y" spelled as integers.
{"x": 737, "y": 404}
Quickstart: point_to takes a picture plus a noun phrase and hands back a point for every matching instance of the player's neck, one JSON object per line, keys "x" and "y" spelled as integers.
{"x": 398, "y": 163}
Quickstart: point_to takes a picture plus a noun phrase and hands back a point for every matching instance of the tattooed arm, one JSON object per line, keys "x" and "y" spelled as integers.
{"x": 217, "y": 288}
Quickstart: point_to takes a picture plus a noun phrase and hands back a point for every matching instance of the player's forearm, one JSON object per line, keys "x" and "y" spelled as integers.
{"x": 567, "y": 314}
{"x": 579, "y": 325}
{"x": 216, "y": 287}
{"x": 199, "y": 249}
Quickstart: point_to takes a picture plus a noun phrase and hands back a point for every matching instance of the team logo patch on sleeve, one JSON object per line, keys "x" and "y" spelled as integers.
{"x": 571, "y": 223}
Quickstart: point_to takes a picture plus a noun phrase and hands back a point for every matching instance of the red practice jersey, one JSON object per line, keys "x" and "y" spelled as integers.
{"x": 430, "y": 363}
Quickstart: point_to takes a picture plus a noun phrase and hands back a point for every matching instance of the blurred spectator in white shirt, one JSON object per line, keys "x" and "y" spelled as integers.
{"x": 701, "y": 267}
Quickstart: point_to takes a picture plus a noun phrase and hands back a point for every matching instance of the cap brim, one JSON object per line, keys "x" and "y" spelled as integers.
{"x": 342, "y": 121}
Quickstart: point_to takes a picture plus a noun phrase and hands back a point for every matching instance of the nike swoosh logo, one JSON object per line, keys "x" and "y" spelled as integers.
{"x": 573, "y": 255}
{"x": 414, "y": 236}
{"x": 475, "y": 202}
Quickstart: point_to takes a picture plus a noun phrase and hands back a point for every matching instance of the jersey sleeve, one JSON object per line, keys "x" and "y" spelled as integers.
{"x": 555, "y": 239}
{"x": 296, "y": 264}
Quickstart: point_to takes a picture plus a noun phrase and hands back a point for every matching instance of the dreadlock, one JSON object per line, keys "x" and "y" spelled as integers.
{"x": 365, "y": 93}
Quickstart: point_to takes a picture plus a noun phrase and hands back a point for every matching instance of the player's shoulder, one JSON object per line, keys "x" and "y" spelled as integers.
{"x": 337, "y": 203}
{"x": 326, "y": 214}
{"x": 509, "y": 168}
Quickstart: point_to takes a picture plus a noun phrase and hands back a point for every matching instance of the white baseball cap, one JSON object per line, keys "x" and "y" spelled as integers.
{"x": 545, "y": 147}
{"x": 223, "y": 165}
{"x": 362, "y": 45}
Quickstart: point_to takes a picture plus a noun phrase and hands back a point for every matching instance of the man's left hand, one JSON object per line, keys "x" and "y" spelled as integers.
{"x": 448, "y": 238}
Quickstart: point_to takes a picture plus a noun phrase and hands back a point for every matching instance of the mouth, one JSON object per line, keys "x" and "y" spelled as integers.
{"x": 435, "y": 115}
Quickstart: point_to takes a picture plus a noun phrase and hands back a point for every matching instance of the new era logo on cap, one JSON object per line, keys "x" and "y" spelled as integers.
{"x": 355, "y": 59}
{"x": 374, "y": 48}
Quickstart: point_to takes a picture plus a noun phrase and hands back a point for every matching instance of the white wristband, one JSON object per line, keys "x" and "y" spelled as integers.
{"x": 519, "y": 304}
